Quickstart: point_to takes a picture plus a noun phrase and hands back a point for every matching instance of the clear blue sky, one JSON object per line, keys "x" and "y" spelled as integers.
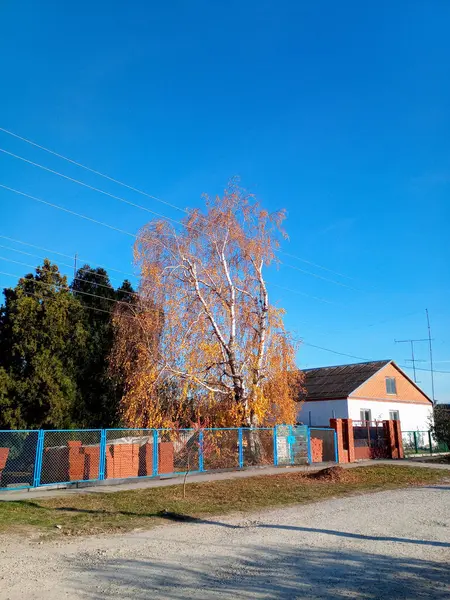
{"x": 337, "y": 111}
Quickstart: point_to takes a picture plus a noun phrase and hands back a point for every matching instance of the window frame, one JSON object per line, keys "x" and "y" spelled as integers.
{"x": 394, "y": 412}
{"x": 367, "y": 411}
{"x": 391, "y": 380}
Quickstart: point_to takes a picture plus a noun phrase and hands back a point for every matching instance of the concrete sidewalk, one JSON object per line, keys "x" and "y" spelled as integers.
{"x": 123, "y": 485}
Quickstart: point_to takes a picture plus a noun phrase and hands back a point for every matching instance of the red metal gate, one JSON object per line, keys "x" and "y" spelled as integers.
{"x": 370, "y": 440}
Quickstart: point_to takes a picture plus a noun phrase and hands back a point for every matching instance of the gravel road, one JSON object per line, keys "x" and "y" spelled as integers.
{"x": 385, "y": 545}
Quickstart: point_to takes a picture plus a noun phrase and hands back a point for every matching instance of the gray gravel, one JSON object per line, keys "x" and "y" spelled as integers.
{"x": 386, "y": 545}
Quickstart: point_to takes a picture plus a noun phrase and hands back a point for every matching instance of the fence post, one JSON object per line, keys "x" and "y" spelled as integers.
{"x": 200, "y": 451}
{"x": 38, "y": 459}
{"x": 416, "y": 447}
{"x": 155, "y": 453}
{"x": 290, "y": 444}
{"x": 241, "y": 448}
{"x": 430, "y": 442}
{"x": 275, "y": 447}
{"x": 308, "y": 443}
{"x": 102, "y": 461}
{"x": 336, "y": 449}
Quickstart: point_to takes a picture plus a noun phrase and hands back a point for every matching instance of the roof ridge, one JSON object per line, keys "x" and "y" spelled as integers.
{"x": 366, "y": 362}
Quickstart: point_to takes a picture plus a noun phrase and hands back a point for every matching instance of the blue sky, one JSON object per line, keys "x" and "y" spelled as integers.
{"x": 338, "y": 112}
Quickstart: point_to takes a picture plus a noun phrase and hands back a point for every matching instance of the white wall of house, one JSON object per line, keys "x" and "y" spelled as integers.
{"x": 413, "y": 417}
{"x": 319, "y": 413}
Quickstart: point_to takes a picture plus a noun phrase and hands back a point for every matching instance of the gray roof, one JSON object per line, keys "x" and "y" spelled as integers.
{"x": 327, "y": 383}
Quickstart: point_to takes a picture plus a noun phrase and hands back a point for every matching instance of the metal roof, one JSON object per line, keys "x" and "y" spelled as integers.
{"x": 338, "y": 382}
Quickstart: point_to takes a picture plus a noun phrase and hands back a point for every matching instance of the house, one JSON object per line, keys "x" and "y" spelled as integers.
{"x": 370, "y": 391}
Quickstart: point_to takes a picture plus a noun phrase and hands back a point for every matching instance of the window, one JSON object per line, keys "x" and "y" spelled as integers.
{"x": 394, "y": 415}
{"x": 391, "y": 385}
{"x": 365, "y": 415}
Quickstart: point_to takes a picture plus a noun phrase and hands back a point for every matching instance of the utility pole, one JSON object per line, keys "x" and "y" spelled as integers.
{"x": 431, "y": 357}
{"x": 412, "y": 359}
{"x": 75, "y": 265}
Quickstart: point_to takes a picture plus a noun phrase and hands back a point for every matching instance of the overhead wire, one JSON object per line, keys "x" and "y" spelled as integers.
{"x": 367, "y": 359}
{"x": 71, "y": 256}
{"x": 142, "y": 192}
{"x": 364, "y": 359}
{"x": 95, "y": 172}
{"x": 91, "y": 187}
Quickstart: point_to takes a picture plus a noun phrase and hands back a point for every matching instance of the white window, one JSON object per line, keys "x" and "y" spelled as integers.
{"x": 391, "y": 385}
{"x": 365, "y": 415}
{"x": 394, "y": 415}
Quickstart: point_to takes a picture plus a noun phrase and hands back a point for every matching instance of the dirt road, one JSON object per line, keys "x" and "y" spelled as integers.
{"x": 390, "y": 544}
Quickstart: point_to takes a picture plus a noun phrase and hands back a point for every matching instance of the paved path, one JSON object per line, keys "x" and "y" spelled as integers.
{"x": 46, "y": 492}
{"x": 393, "y": 544}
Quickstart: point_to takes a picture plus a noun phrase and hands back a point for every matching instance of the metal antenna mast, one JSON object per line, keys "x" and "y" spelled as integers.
{"x": 413, "y": 359}
{"x": 431, "y": 357}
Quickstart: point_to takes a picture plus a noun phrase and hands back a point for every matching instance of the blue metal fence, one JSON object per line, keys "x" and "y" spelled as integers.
{"x": 61, "y": 457}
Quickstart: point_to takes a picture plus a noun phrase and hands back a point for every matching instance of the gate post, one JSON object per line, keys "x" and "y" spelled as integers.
{"x": 200, "y": 451}
{"x": 38, "y": 459}
{"x": 291, "y": 444}
{"x": 336, "y": 449}
{"x": 430, "y": 442}
{"x": 275, "y": 447}
{"x": 241, "y": 448}
{"x": 155, "y": 453}
{"x": 416, "y": 446}
{"x": 308, "y": 444}
{"x": 102, "y": 461}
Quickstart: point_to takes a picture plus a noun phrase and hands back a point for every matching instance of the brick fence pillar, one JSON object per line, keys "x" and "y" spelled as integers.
{"x": 393, "y": 435}
{"x": 399, "y": 439}
{"x": 346, "y": 442}
{"x": 336, "y": 424}
{"x": 348, "y": 426}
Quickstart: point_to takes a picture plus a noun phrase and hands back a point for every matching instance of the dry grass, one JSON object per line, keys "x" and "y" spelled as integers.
{"x": 124, "y": 511}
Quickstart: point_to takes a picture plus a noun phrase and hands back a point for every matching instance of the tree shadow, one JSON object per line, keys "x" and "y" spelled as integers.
{"x": 182, "y": 518}
{"x": 266, "y": 572}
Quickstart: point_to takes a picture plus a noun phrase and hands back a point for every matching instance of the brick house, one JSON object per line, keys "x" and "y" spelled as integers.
{"x": 370, "y": 391}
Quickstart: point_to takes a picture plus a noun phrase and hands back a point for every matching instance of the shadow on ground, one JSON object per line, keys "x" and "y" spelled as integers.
{"x": 269, "y": 573}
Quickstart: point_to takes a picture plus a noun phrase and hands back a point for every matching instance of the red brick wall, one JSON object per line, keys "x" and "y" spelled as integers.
{"x": 316, "y": 450}
{"x": 4, "y": 453}
{"x": 375, "y": 388}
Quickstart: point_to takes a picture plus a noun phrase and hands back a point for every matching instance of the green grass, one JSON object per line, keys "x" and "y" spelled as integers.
{"x": 124, "y": 511}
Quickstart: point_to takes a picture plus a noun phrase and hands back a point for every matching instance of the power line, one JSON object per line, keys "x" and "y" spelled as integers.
{"x": 59, "y": 262}
{"x": 126, "y": 273}
{"x": 70, "y": 212}
{"x": 139, "y": 191}
{"x": 68, "y": 288}
{"x": 91, "y": 187}
{"x": 52, "y": 205}
{"x": 320, "y": 277}
{"x": 5, "y": 237}
{"x": 111, "y": 288}
{"x": 153, "y": 212}
{"x": 74, "y": 162}
{"x": 365, "y": 359}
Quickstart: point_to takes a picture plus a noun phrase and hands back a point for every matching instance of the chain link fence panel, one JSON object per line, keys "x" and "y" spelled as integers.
{"x": 130, "y": 453}
{"x": 18, "y": 452}
{"x": 70, "y": 455}
{"x": 221, "y": 449}
{"x": 179, "y": 451}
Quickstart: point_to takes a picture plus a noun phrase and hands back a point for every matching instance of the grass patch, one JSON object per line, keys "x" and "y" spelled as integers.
{"x": 124, "y": 511}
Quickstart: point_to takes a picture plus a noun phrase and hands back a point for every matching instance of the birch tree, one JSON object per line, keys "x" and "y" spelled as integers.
{"x": 212, "y": 332}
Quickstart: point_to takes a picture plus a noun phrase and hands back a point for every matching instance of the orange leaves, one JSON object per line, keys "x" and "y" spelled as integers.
{"x": 203, "y": 341}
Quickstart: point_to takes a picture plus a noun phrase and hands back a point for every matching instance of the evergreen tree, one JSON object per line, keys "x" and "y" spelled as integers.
{"x": 42, "y": 341}
{"x": 99, "y": 393}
